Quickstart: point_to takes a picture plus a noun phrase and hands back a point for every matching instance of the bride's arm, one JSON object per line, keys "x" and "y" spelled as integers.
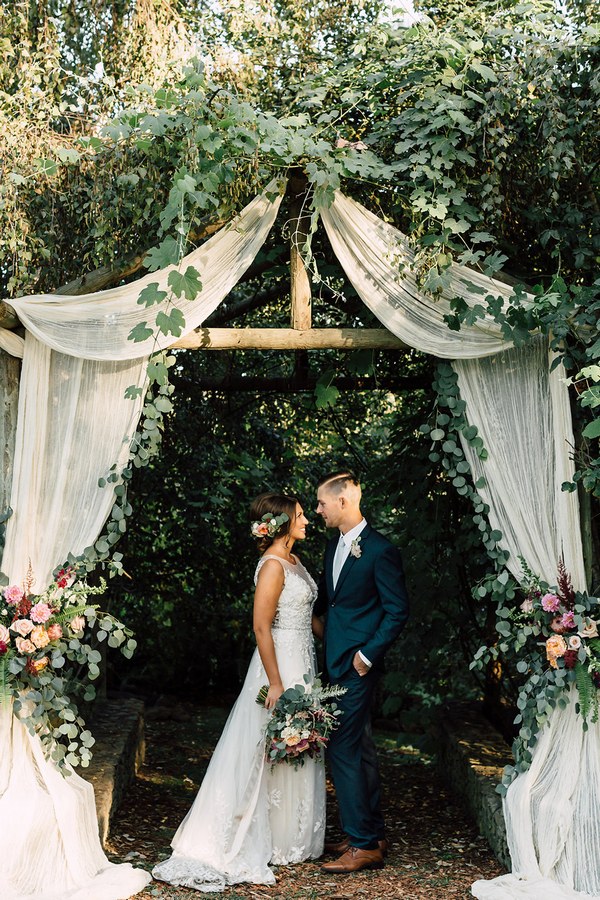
{"x": 318, "y": 627}
{"x": 266, "y": 597}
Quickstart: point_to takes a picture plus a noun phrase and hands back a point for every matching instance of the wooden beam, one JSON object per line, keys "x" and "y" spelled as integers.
{"x": 299, "y": 280}
{"x": 290, "y": 339}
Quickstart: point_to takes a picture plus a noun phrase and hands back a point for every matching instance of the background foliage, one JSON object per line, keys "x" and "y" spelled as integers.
{"x": 482, "y": 144}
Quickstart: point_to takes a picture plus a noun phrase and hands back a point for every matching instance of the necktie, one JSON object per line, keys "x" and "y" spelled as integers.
{"x": 338, "y": 560}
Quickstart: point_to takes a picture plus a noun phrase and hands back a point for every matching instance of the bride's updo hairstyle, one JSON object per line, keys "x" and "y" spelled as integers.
{"x": 274, "y": 505}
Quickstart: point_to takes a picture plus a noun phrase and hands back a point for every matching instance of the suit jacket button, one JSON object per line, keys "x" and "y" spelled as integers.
{"x": 332, "y": 604}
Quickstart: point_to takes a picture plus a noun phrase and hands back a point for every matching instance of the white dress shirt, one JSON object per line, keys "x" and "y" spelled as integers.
{"x": 342, "y": 552}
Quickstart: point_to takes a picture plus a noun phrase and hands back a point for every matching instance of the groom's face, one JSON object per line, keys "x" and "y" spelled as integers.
{"x": 330, "y": 507}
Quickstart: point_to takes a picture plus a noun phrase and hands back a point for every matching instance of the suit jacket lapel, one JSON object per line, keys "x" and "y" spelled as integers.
{"x": 350, "y": 560}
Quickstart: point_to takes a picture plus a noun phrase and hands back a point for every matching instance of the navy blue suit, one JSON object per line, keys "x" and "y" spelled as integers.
{"x": 366, "y": 611}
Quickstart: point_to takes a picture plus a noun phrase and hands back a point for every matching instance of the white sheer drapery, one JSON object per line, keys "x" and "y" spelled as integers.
{"x": 378, "y": 261}
{"x": 522, "y": 413}
{"x": 74, "y": 423}
{"x": 96, "y": 326}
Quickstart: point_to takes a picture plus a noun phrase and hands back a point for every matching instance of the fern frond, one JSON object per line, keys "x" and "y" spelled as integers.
{"x": 588, "y": 699}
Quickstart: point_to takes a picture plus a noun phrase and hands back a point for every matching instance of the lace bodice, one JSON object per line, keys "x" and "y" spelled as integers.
{"x": 294, "y": 611}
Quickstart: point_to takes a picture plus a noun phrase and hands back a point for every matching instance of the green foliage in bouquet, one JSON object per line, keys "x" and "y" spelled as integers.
{"x": 301, "y": 722}
{"x": 46, "y": 659}
{"x": 552, "y": 637}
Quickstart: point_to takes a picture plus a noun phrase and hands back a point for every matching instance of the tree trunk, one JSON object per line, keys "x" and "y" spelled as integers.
{"x": 9, "y": 398}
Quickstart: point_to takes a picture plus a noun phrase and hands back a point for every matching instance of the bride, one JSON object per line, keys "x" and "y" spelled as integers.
{"x": 248, "y": 814}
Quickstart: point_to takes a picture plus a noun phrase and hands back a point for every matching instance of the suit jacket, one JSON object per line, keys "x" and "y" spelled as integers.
{"x": 368, "y": 608}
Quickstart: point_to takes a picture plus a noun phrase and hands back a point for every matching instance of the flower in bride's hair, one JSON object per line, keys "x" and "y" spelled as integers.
{"x": 13, "y": 594}
{"x": 24, "y": 646}
{"x": 269, "y": 525}
{"x": 22, "y": 627}
{"x": 556, "y": 646}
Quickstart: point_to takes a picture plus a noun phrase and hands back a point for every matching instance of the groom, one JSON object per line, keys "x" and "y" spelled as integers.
{"x": 363, "y": 594}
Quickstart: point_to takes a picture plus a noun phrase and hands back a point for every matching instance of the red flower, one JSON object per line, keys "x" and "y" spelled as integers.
{"x": 570, "y": 659}
{"x": 3, "y": 648}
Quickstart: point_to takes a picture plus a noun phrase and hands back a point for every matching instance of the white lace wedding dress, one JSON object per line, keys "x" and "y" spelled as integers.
{"x": 248, "y": 814}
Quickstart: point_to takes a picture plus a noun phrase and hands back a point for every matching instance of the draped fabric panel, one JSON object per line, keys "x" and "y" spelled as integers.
{"x": 522, "y": 413}
{"x": 73, "y": 424}
{"x": 378, "y": 261}
{"x": 96, "y": 326}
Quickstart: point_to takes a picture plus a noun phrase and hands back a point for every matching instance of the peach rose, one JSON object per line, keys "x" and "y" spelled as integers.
{"x": 55, "y": 632}
{"x": 574, "y": 642}
{"x": 23, "y": 627}
{"x": 40, "y": 664}
{"x": 292, "y": 740}
{"x": 4, "y": 634}
{"x": 40, "y": 637}
{"x": 556, "y": 646}
{"x": 77, "y": 623}
{"x": 24, "y": 646}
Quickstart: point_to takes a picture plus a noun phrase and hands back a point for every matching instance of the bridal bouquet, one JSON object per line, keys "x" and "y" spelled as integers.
{"x": 302, "y": 721}
{"x": 46, "y": 658}
{"x": 554, "y": 637}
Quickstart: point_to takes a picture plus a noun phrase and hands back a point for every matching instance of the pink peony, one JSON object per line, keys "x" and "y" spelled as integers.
{"x": 23, "y": 627}
{"x": 568, "y": 619}
{"x": 40, "y": 613}
{"x": 25, "y": 646}
{"x": 13, "y": 594}
{"x": 550, "y": 602}
{"x": 40, "y": 637}
{"x": 55, "y": 632}
{"x": 4, "y": 634}
{"x": 77, "y": 623}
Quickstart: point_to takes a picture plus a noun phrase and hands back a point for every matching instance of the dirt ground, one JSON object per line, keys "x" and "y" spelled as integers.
{"x": 435, "y": 851}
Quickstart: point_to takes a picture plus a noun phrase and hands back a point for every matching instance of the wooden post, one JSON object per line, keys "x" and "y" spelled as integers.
{"x": 9, "y": 399}
{"x": 299, "y": 280}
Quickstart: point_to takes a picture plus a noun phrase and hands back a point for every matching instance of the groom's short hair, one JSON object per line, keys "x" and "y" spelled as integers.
{"x": 339, "y": 481}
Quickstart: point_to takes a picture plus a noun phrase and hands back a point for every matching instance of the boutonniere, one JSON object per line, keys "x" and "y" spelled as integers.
{"x": 355, "y": 549}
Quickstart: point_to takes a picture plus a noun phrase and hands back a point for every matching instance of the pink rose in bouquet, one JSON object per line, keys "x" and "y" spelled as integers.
{"x": 39, "y": 636}
{"x": 4, "y": 634}
{"x": 24, "y": 646}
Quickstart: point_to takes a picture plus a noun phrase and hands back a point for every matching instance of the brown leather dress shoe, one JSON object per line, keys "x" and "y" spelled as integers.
{"x": 341, "y": 846}
{"x": 353, "y": 860}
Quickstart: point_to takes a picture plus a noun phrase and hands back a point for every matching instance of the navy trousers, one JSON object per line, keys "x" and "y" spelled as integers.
{"x": 353, "y": 763}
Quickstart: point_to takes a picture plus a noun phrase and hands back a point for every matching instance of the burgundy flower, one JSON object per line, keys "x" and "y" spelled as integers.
{"x": 596, "y": 678}
{"x": 570, "y": 659}
{"x": 3, "y": 648}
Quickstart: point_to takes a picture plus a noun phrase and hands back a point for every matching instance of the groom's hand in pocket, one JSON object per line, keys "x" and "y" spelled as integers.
{"x": 361, "y": 667}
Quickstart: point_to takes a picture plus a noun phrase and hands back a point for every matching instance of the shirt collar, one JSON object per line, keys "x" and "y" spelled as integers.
{"x": 353, "y": 533}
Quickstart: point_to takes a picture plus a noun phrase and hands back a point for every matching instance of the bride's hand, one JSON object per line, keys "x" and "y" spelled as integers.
{"x": 273, "y": 694}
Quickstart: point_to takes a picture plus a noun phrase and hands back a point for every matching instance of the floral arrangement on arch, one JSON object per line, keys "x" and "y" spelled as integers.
{"x": 553, "y": 635}
{"x": 46, "y": 659}
{"x": 301, "y": 722}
